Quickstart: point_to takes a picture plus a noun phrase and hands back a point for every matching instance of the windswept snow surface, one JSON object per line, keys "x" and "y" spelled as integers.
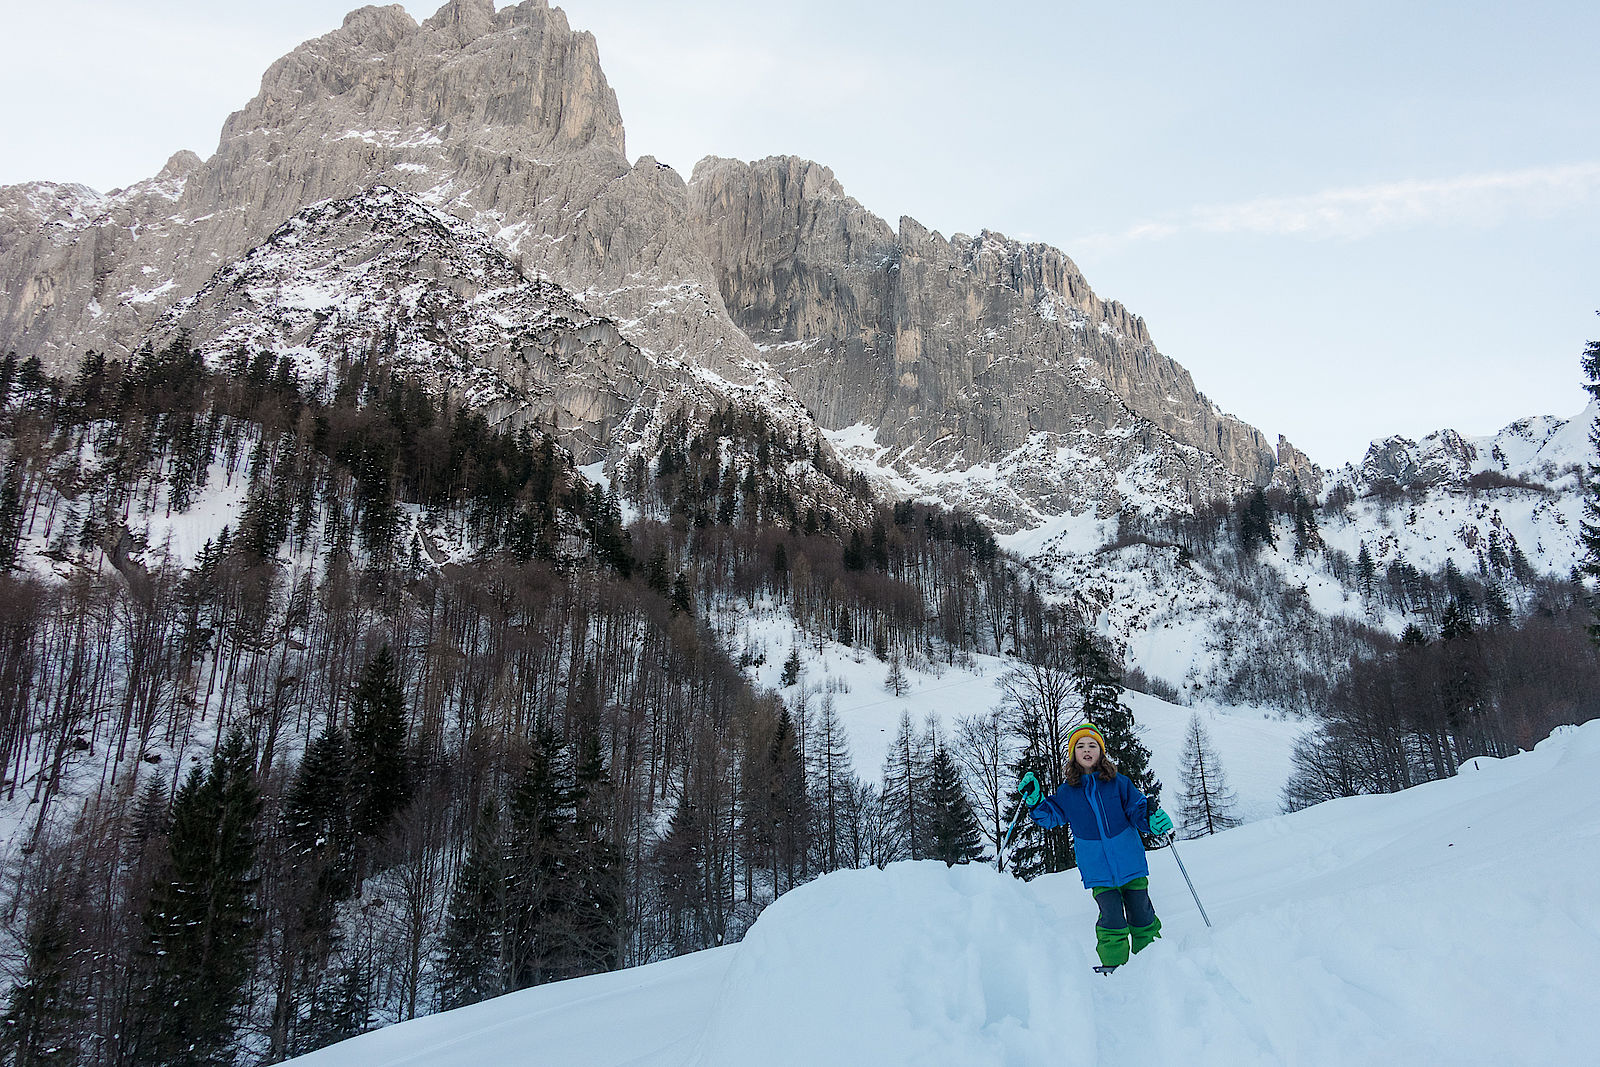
{"x": 1453, "y": 923}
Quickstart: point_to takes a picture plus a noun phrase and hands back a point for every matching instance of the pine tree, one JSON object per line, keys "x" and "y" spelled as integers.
{"x": 474, "y": 937}
{"x": 598, "y": 906}
{"x": 1589, "y": 535}
{"x": 1100, "y": 684}
{"x": 1366, "y": 569}
{"x": 540, "y": 865}
{"x": 1307, "y": 537}
{"x": 39, "y": 1028}
{"x": 780, "y": 567}
{"x": 835, "y": 787}
{"x": 316, "y": 813}
{"x": 682, "y": 598}
{"x": 1207, "y": 804}
{"x": 341, "y": 1008}
{"x": 200, "y": 927}
{"x": 1255, "y": 522}
{"x": 905, "y": 792}
{"x": 379, "y": 777}
{"x": 952, "y": 829}
{"x": 791, "y": 668}
{"x": 11, "y": 515}
{"x": 895, "y": 681}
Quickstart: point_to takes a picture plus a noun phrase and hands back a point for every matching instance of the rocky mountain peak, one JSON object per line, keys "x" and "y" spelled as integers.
{"x": 179, "y": 165}
{"x": 465, "y": 20}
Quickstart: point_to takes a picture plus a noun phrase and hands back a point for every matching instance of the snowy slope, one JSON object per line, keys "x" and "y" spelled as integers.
{"x": 1254, "y": 746}
{"x": 1452, "y": 923}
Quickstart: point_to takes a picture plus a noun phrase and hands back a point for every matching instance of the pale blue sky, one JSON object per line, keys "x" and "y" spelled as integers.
{"x": 1347, "y": 221}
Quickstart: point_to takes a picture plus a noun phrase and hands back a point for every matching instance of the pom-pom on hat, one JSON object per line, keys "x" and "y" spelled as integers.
{"x": 1088, "y": 729}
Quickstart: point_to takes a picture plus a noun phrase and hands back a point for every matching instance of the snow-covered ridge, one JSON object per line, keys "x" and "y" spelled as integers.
{"x": 1370, "y": 930}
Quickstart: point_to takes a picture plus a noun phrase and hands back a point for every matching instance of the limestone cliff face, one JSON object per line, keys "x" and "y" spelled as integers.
{"x": 992, "y": 374}
{"x": 958, "y": 350}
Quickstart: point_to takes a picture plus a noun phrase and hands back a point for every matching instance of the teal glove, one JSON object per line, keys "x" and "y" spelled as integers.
{"x": 1160, "y": 823}
{"x": 1029, "y": 788}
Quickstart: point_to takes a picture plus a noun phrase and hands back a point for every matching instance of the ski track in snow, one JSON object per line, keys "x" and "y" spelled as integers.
{"x": 1452, "y": 923}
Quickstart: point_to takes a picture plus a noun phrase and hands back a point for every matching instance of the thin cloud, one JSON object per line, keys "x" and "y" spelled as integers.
{"x": 1361, "y": 211}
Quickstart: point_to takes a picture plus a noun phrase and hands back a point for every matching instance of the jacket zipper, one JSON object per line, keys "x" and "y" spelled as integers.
{"x": 1094, "y": 789}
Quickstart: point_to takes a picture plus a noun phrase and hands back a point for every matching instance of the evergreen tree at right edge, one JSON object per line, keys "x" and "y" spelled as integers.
{"x": 1589, "y": 536}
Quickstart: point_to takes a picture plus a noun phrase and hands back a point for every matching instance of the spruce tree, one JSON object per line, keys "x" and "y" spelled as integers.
{"x": 1307, "y": 537}
{"x": 379, "y": 778}
{"x": 341, "y": 1008}
{"x": 598, "y": 907}
{"x": 905, "y": 792}
{"x": 1366, "y": 569}
{"x": 1033, "y": 849}
{"x": 682, "y": 598}
{"x": 39, "y": 1028}
{"x": 540, "y": 865}
{"x": 1207, "y": 804}
{"x": 895, "y": 680}
{"x": 316, "y": 813}
{"x": 787, "y": 805}
{"x": 791, "y": 668}
{"x": 1589, "y": 535}
{"x": 952, "y": 828}
{"x": 11, "y": 515}
{"x": 474, "y": 937}
{"x": 1255, "y": 522}
{"x": 1100, "y": 684}
{"x": 835, "y": 787}
{"x": 200, "y": 927}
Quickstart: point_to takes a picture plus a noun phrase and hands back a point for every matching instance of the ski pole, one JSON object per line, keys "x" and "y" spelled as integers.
{"x": 1172, "y": 843}
{"x": 1000, "y": 856}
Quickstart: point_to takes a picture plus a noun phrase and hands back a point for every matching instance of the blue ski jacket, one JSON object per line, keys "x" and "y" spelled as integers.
{"x": 1106, "y": 820}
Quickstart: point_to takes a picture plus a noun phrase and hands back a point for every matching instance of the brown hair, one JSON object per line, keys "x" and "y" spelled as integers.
{"x": 1104, "y": 770}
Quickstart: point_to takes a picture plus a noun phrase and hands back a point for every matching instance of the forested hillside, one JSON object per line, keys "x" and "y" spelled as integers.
{"x": 397, "y": 715}
{"x": 326, "y": 707}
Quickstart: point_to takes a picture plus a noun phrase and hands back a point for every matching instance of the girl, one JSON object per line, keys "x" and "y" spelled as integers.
{"x": 1107, "y": 815}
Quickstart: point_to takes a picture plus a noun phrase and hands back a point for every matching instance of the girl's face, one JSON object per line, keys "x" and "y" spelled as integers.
{"x": 1086, "y": 752}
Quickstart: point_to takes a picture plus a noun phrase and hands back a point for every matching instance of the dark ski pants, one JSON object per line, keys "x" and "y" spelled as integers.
{"x": 1125, "y": 911}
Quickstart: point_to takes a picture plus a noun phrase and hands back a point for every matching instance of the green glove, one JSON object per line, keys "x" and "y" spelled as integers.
{"x": 1160, "y": 823}
{"x": 1029, "y": 788}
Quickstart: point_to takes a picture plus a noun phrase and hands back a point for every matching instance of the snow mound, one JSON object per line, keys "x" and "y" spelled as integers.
{"x": 1451, "y": 923}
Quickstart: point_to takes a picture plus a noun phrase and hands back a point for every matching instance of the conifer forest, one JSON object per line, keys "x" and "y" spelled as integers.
{"x": 428, "y": 721}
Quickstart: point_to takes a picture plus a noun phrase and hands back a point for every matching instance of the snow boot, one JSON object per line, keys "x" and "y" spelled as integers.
{"x": 1111, "y": 945}
{"x": 1143, "y": 935}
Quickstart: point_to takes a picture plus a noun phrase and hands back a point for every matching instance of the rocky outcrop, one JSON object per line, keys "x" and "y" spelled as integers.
{"x": 380, "y": 278}
{"x": 1441, "y": 457}
{"x": 1295, "y": 470}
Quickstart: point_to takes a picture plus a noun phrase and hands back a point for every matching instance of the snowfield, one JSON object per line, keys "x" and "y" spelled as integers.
{"x": 1455, "y": 922}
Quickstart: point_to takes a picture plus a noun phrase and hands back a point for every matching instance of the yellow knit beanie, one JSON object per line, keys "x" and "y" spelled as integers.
{"x": 1088, "y": 729}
